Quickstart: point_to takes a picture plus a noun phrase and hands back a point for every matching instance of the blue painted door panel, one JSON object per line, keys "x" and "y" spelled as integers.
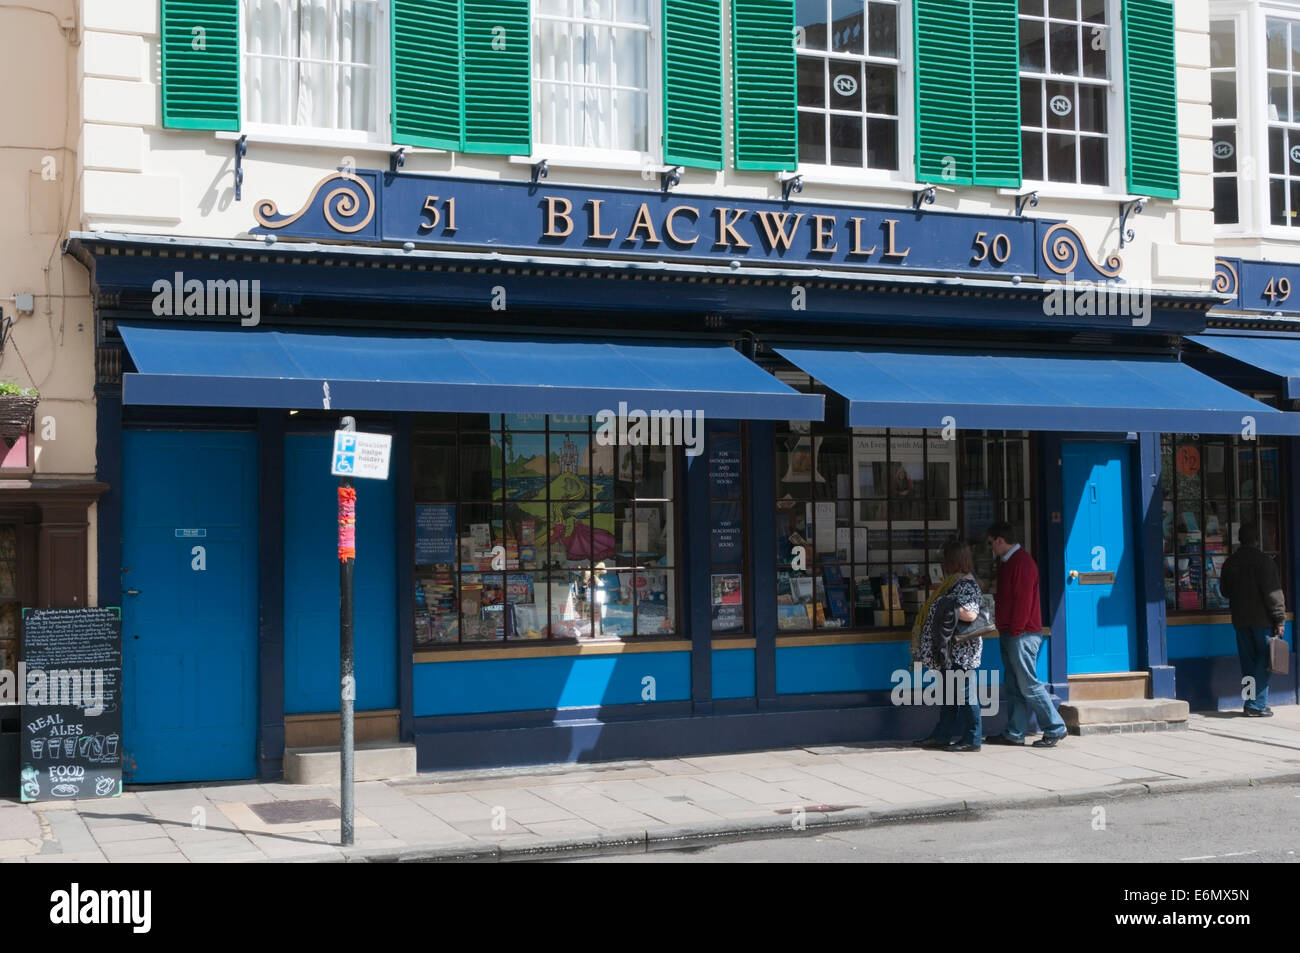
{"x": 311, "y": 584}
{"x": 189, "y": 605}
{"x": 1100, "y": 620}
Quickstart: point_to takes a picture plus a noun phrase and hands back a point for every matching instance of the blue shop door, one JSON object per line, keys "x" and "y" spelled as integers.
{"x": 189, "y": 605}
{"x": 311, "y": 584}
{"x": 1101, "y": 601}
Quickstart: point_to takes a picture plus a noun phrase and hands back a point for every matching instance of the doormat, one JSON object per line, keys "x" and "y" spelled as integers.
{"x": 295, "y": 812}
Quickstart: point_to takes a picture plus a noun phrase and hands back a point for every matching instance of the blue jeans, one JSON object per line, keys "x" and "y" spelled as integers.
{"x": 1252, "y": 652}
{"x": 1025, "y": 693}
{"x": 960, "y": 717}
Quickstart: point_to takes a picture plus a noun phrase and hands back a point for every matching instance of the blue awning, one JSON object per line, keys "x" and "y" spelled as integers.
{"x": 1277, "y": 356}
{"x": 237, "y": 367}
{"x": 914, "y": 388}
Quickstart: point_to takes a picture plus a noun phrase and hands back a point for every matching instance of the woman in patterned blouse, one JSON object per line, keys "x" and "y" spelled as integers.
{"x": 957, "y": 600}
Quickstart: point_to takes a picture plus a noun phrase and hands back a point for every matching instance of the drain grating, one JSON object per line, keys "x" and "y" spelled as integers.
{"x": 295, "y": 812}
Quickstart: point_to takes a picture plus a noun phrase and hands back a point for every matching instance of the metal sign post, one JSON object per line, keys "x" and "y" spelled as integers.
{"x": 355, "y": 455}
{"x": 347, "y": 678}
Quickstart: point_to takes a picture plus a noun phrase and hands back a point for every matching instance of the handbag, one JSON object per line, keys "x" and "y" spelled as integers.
{"x": 1279, "y": 655}
{"x": 978, "y": 627}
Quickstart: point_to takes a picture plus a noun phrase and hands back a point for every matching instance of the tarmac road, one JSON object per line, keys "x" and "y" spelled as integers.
{"x": 1232, "y": 825}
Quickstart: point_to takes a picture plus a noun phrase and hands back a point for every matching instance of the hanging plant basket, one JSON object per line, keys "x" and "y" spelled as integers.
{"x": 16, "y": 413}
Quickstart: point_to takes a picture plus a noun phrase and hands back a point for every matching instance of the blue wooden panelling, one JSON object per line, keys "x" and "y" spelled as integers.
{"x": 526, "y": 684}
{"x": 733, "y": 673}
{"x": 311, "y": 584}
{"x": 1208, "y": 641}
{"x": 812, "y": 669}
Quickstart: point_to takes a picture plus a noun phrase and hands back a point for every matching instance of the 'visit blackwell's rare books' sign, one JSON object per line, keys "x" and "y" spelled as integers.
{"x": 443, "y": 212}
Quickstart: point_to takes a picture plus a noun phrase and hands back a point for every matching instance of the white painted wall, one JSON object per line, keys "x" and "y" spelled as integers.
{"x": 142, "y": 178}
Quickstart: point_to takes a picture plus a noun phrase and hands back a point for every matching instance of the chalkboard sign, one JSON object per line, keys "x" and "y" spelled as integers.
{"x": 71, "y": 694}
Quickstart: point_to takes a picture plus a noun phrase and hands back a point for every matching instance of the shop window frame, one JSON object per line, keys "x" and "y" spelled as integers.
{"x": 1169, "y": 544}
{"x": 454, "y": 425}
{"x": 1001, "y": 504}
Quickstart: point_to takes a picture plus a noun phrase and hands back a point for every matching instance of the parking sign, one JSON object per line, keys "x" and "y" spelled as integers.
{"x": 362, "y": 455}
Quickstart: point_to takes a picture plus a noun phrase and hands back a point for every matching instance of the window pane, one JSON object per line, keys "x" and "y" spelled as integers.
{"x": 1033, "y": 54}
{"x": 883, "y": 26}
{"x": 1033, "y": 8}
{"x": 1278, "y": 88}
{"x": 846, "y": 141}
{"x": 1276, "y": 39}
{"x": 1223, "y": 44}
{"x": 810, "y": 16}
{"x": 1031, "y": 102}
{"x": 1295, "y": 204}
{"x": 1277, "y": 202}
{"x": 1094, "y": 169}
{"x": 882, "y": 92}
{"x": 1092, "y": 108}
{"x": 1060, "y": 105}
{"x": 1060, "y": 158}
{"x": 1096, "y": 41}
{"x": 435, "y": 467}
{"x": 1226, "y": 209}
{"x": 812, "y": 81}
{"x": 812, "y": 138}
{"x": 1276, "y": 151}
{"x": 882, "y": 143}
{"x": 1223, "y": 95}
{"x": 1063, "y": 9}
{"x": 1031, "y": 147}
{"x": 1094, "y": 11}
{"x": 1065, "y": 49}
{"x": 846, "y": 86}
{"x": 846, "y": 26}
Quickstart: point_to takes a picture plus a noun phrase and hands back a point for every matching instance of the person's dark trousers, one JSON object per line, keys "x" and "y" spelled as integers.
{"x": 968, "y": 719}
{"x": 947, "y": 728}
{"x": 1252, "y": 652}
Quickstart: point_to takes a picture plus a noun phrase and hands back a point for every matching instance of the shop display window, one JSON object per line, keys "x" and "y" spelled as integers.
{"x": 1211, "y": 486}
{"x": 862, "y": 516}
{"x": 728, "y": 594}
{"x": 533, "y": 527}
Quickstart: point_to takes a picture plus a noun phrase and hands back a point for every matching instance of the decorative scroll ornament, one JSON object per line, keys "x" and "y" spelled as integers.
{"x": 340, "y": 204}
{"x": 1225, "y": 278}
{"x": 1063, "y": 246}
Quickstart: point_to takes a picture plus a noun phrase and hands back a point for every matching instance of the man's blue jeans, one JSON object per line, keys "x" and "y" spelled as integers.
{"x": 1025, "y": 693}
{"x": 1252, "y": 651}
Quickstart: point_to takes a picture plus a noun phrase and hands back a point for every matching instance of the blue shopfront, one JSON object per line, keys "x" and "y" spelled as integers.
{"x": 669, "y": 476}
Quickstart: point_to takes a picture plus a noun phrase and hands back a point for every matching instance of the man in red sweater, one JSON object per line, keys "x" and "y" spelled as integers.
{"x": 1020, "y": 636}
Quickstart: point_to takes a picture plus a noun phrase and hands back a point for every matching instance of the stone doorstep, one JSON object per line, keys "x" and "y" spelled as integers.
{"x": 1106, "y": 716}
{"x": 382, "y": 761}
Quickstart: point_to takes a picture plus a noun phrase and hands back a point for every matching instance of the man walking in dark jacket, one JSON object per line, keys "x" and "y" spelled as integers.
{"x": 1251, "y": 583}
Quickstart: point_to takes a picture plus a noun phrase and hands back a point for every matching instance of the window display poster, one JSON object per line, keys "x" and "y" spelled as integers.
{"x": 724, "y": 466}
{"x": 824, "y": 516}
{"x": 728, "y": 602}
{"x": 726, "y": 536}
{"x": 435, "y": 534}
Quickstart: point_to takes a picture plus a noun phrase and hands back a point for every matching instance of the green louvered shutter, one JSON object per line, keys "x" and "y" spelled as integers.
{"x": 498, "y": 77}
{"x": 1151, "y": 97}
{"x": 945, "y": 104}
{"x": 427, "y": 108}
{"x": 200, "y": 64}
{"x": 763, "y": 76}
{"x": 692, "y": 38}
{"x": 996, "y": 86}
